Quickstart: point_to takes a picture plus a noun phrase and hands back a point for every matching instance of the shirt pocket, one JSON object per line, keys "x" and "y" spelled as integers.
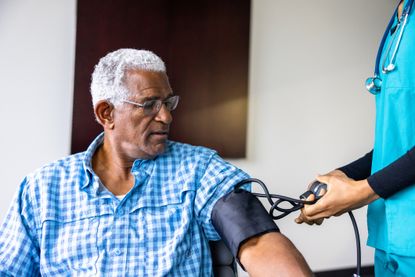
{"x": 168, "y": 233}
{"x": 395, "y": 120}
{"x": 70, "y": 246}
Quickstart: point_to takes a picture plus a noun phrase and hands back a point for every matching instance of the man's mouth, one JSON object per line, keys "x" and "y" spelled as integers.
{"x": 160, "y": 133}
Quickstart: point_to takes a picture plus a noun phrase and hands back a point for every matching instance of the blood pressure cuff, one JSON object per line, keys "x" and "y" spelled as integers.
{"x": 239, "y": 216}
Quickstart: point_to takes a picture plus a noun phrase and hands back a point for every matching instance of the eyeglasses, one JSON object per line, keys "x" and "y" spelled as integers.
{"x": 152, "y": 107}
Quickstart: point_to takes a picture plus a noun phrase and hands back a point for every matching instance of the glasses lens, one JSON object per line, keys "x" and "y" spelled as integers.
{"x": 151, "y": 107}
{"x": 171, "y": 103}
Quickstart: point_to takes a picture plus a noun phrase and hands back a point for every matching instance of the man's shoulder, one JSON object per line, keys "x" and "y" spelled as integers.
{"x": 56, "y": 173}
{"x": 49, "y": 190}
{"x": 187, "y": 157}
{"x": 63, "y": 164}
{"x": 187, "y": 150}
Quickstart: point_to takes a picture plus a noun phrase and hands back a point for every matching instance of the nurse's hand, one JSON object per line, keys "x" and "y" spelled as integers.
{"x": 343, "y": 195}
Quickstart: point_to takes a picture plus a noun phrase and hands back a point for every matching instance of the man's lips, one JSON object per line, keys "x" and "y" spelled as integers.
{"x": 160, "y": 133}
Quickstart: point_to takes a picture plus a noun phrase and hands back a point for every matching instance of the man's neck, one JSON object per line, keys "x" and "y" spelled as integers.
{"x": 113, "y": 171}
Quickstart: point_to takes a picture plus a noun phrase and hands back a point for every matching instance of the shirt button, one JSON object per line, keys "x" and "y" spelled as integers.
{"x": 117, "y": 252}
{"x": 120, "y": 212}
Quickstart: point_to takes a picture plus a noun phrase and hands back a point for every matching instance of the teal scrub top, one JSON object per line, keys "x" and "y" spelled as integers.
{"x": 391, "y": 221}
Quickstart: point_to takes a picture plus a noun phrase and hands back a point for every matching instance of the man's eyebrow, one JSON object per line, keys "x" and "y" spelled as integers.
{"x": 149, "y": 98}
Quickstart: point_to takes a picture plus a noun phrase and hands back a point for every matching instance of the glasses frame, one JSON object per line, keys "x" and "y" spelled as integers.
{"x": 152, "y": 107}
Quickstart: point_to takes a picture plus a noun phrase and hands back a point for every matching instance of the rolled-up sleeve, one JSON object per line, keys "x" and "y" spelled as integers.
{"x": 218, "y": 179}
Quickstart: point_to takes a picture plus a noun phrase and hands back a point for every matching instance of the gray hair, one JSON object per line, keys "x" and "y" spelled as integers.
{"x": 108, "y": 76}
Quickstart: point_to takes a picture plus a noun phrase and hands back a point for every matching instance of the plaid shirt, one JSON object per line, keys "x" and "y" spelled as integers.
{"x": 63, "y": 221}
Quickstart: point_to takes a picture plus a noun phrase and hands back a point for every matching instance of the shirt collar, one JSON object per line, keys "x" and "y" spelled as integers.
{"x": 87, "y": 162}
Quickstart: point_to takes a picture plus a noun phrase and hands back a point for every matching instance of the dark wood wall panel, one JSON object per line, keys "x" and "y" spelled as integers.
{"x": 205, "y": 45}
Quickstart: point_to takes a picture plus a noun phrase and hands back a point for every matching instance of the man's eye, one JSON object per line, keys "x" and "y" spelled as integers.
{"x": 149, "y": 104}
{"x": 169, "y": 103}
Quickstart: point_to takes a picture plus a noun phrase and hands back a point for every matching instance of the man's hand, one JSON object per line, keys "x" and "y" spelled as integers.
{"x": 272, "y": 254}
{"x": 343, "y": 195}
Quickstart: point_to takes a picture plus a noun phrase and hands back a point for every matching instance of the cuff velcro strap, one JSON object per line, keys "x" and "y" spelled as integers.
{"x": 239, "y": 216}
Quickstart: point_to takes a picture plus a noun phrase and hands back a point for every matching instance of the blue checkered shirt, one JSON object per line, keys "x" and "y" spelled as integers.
{"x": 64, "y": 222}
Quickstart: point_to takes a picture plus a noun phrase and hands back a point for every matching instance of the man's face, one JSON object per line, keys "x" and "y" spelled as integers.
{"x": 136, "y": 134}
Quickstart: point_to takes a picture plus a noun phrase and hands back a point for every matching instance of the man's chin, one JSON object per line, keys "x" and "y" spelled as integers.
{"x": 158, "y": 149}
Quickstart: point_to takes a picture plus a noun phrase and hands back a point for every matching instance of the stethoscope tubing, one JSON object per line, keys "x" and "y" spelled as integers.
{"x": 391, "y": 66}
{"x": 373, "y": 83}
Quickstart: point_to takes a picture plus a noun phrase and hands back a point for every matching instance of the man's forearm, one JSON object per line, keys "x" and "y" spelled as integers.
{"x": 272, "y": 254}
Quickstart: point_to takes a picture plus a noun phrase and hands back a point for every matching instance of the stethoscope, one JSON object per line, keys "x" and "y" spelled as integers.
{"x": 374, "y": 84}
{"x": 282, "y": 206}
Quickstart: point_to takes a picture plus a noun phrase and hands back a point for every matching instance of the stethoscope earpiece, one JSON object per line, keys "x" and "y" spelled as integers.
{"x": 391, "y": 67}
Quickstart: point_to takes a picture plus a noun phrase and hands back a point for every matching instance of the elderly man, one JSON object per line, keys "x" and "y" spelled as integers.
{"x": 134, "y": 203}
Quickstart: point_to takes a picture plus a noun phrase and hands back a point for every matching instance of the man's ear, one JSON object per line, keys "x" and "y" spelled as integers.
{"x": 104, "y": 114}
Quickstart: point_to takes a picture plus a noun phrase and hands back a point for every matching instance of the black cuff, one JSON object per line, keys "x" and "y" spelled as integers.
{"x": 239, "y": 216}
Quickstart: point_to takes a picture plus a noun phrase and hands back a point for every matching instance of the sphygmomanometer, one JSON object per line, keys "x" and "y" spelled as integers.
{"x": 239, "y": 215}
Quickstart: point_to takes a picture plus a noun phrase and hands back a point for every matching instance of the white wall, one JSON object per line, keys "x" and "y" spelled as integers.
{"x": 37, "y": 45}
{"x": 308, "y": 110}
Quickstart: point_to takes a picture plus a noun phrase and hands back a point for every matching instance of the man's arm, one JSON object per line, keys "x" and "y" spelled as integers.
{"x": 254, "y": 238}
{"x": 239, "y": 219}
{"x": 272, "y": 254}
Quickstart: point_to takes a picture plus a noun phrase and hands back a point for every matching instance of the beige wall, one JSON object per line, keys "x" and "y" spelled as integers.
{"x": 308, "y": 110}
